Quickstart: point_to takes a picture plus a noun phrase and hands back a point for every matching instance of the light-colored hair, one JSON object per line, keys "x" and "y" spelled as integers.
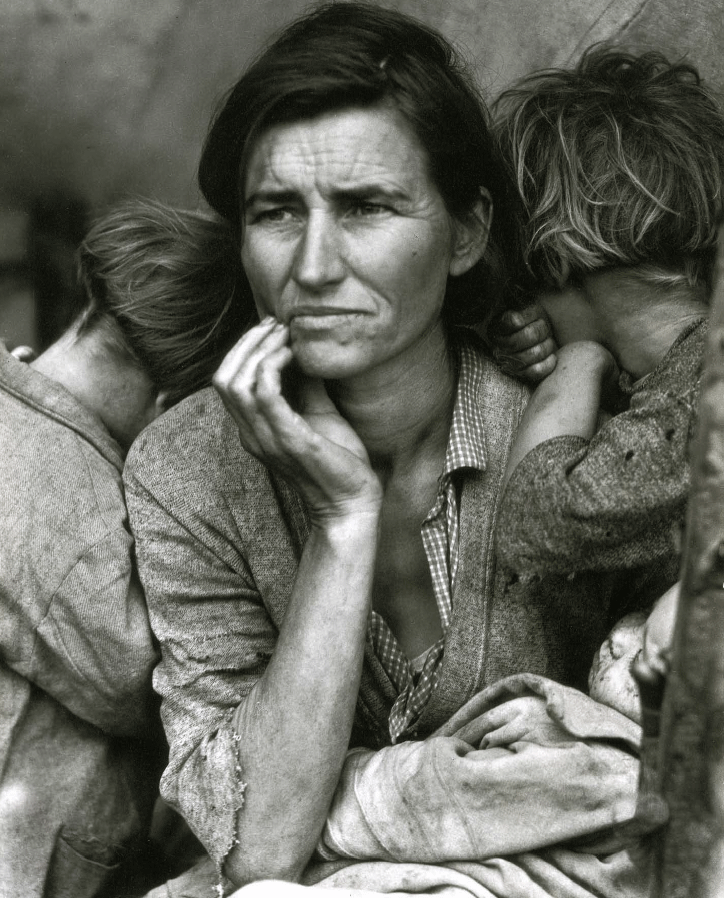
{"x": 619, "y": 162}
{"x": 161, "y": 285}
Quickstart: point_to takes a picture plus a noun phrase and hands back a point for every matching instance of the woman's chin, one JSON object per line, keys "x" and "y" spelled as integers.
{"x": 328, "y": 362}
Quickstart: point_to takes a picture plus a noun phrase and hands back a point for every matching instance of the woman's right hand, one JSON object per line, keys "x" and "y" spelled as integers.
{"x": 313, "y": 448}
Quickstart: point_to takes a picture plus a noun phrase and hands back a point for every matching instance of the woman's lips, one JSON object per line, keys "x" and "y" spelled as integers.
{"x": 317, "y": 319}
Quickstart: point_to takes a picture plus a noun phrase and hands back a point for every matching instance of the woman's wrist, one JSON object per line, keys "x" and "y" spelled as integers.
{"x": 350, "y": 522}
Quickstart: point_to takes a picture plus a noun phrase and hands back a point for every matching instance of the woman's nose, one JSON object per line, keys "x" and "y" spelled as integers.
{"x": 318, "y": 261}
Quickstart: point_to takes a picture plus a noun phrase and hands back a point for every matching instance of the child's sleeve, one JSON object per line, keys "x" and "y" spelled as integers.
{"x": 615, "y": 502}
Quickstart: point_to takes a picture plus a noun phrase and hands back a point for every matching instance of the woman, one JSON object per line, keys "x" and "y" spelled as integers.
{"x": 330, "y": 582}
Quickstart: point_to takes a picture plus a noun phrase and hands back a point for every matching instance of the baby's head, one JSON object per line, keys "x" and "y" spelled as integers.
{"x": 610, "y": 680}
{"x": 620, "y": 163}
{"x": 644, "y": 639}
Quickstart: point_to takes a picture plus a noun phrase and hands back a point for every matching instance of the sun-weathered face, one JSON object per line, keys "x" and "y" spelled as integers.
{"x": 346, "y": 238}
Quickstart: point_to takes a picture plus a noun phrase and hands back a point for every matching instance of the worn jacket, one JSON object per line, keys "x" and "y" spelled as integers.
{"x": 219, "y": 540}
{"x": 76, "y": 650}
{"x": 616, "y": 502}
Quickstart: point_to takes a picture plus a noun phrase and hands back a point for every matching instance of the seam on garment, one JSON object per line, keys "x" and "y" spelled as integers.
{"x": 50, "y": 608}
{"x": 140, "y": 486}
{"x": 61, "y": 418}
{"x": 442, "y": 779}
{"x": 80, "y": 554}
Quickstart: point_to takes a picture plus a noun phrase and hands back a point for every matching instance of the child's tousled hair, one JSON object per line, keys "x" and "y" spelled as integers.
{"x": 161, "y": 284}
{"x": 619, "y": 162}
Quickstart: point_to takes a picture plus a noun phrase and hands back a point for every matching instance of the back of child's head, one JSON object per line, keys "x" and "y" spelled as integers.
{"x": 619, "y": 162}
{"x": 164, "y": 288}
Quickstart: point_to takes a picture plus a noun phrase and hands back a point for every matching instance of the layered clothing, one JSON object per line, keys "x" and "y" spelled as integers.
{"x": 219, "y": 538}
{"x": 78, "y": 764}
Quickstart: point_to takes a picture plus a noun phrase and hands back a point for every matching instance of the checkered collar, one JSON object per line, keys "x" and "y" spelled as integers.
{"x": 466, "y": 443}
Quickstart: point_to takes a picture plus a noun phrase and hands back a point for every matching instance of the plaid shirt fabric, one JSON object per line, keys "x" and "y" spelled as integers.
{"x": 440, "y": 537}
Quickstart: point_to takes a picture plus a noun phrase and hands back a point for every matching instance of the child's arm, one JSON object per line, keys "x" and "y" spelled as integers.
{"x": 567, "y": 402}
{"x": 608, "y": 499}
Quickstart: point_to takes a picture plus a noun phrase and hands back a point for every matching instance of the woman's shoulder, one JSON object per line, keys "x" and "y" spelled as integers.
{"x": 195, "y": 441}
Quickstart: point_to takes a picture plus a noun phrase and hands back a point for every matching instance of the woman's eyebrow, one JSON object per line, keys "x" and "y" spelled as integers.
{"x": 368, "y": 191}
{"x": 269, "y": 195}
{"x": 339, "y": 195}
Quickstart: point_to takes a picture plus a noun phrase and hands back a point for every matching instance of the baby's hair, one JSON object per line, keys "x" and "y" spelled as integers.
{"x": 619, "y": 162}
{"x": 162, "y": 285}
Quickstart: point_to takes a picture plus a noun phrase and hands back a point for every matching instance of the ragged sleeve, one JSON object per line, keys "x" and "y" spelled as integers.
{"x": 214, "y": 632}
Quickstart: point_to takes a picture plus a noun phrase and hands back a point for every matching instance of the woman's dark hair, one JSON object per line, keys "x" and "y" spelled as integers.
{"x": 351, "y": 54}
{"x": 161, "y": 285}
{"x": 619, "y": 162}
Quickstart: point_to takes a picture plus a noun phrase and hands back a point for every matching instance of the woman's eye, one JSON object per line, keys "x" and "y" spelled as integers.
{"x": 364, "y": 208}
{"x": 277, "y": 214}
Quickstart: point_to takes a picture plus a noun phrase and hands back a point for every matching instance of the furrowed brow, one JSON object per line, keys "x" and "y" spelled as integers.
{"x": 270, "y": 197}
{"x": 369, "y": 191}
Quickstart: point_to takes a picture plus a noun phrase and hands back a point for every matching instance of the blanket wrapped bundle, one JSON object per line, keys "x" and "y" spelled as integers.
{"x": 529, "y": 790}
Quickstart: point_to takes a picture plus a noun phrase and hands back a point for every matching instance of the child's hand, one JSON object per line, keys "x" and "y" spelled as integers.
{"x": 524, "y": 345}
{"x": 659, "y": 634}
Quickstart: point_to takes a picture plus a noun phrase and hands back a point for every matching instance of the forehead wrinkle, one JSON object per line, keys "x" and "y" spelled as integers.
{"x": 335, "y": 160}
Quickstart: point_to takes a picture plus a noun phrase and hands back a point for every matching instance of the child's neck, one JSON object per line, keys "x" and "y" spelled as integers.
{"x": 640, "y": 321}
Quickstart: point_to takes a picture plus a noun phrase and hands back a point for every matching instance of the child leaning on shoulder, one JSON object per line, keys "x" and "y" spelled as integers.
{"x": 620, "y": 165}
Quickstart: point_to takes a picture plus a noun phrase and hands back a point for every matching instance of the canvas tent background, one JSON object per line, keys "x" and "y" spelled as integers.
{"x": 106, "y": 97}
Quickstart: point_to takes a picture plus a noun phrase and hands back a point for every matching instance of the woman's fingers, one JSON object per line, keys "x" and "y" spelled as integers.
{"x": 254, "y": 363}
{"x": 244, "y": 346}
{"x": 314, "y": 448}
{"x": 237, "y": 375}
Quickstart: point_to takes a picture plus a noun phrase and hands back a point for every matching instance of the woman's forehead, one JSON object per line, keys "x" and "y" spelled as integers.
{"x": 343, "y": 148}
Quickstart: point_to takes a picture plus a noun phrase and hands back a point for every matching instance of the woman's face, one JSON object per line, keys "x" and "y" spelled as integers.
{"x": 347, "y": 240}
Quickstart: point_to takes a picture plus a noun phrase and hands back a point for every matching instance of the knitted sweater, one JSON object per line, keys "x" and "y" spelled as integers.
{"x": 615, "y": 502}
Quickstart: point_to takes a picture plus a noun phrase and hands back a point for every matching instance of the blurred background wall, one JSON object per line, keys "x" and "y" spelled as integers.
{"x": 104, "y": 98}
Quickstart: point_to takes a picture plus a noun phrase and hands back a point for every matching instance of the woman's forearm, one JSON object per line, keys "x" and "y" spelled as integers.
{"x": 294, "y": 726}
